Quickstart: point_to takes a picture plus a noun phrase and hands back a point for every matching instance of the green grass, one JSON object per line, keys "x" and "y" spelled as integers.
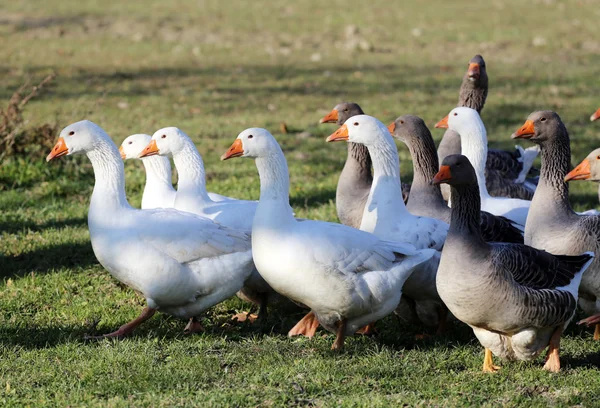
{"x": 214, "y": 68}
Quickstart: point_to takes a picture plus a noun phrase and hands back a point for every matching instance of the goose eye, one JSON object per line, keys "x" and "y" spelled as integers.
{"x": 542, "y": 119}
{"x": 401, "y": 122}
{"x": 598, "y": 157}
{"x": 355, "y": 123}
{"x": 163, "y": 137}
{"x": 250, "y": 136}
{"x": 130, "y": 143}
{"x": 455, "y": 114}
{"x": 71, "y": 133}
{"x": 346, "y": 110}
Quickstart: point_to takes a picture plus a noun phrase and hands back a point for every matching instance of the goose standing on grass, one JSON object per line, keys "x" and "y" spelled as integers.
{"x": 356, "y": 178}
{"x": 386, "y": 216}
{"x": 517, "y": 299}
{"x": 426, "y": 198}
{"x": 552, "y": 224}
{"x": 180, "y": 262}
{"x": 467, "y": 123}
{"x": 192, "y": 197}
{"x": 588, "y": 169}
{"x": 348, "y": 278}
{"x": 505, "y": 171}
{"x": 158, "y": 190}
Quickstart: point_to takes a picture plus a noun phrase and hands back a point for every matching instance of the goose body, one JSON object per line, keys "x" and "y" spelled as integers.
{"x": 517, "y": 299}
{"x": 505, "y": 171}
{"x": 192, "y": 197}
{"x": 552, "y": 224}
{"x": 158, "y": 190}
{"x": 468, "y": 124}
{"x": 385, "y": 214}
{"x": 347, "y": 277}
{"x": 426, "y": 198}
{"x": 180, "y": 262}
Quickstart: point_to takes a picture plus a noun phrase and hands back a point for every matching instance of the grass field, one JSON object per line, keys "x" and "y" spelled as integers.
{"x": 214, "y": 68}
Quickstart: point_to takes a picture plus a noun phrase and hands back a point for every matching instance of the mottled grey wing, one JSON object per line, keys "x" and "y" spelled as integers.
{"x": 495, "y": 228}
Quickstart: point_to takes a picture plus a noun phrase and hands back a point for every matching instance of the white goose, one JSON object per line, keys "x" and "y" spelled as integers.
{"x": 385, "y": 214}
{"x": 191, "y": 185}
{"x": 180, "y": 262}
{"x": 192, "y": 197}
{"x": 467, "y": 123}
{"x": 158, "y": 191}
{"x": 349, "y": 278}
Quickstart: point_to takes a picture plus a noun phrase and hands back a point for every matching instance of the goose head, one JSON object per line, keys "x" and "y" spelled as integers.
{"x": 252, "y": 143}
{"x": 476, "y": 73}
{"x": 341, "y": 112}
{"x": 455, "y": 170}
{"x": 362, "y": 129}
{"x": 166, "y": 142}
{"x": 595, "y": 115}
{"x": 80, "y": 137}
{"x": 588, "y": 169}
{"x": 462, "y": 120}
{"x": 542, "y": 126}
{"x": 408, "y": 128}
{"x": 133, "y": 145}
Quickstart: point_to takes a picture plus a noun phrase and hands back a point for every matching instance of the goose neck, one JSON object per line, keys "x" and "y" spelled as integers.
{"x": 465, "y": 218}
{"x": 426, "y": 165}
{"x": 472, "y": 96}
{"x": 474, "y": 147}
{"x": 552, "y": 192}
{"x": 190, "y": 171}
{"x": 158, "y": 170}
{"x": 109, "y": 187}
{"x": 386, "y": 176}
{"x": 359, "y": 154}
{"x": 274, "y": 178}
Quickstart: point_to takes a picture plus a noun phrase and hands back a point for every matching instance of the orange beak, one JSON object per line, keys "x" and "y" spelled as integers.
{"x": 443, "y": 124}
{"x": 339, "y": 135}
{"x": 392, "y": 127}
{"x": 331, "y": 117}
{"x": 59, "y": 149}
{"x": 150, "y": 150}
{"x": 123, "y": 155}
{"x": 473, "y": 71}
{"x": 596, "y": 115}
{"x": 442, "y": 176}
{"x": 235, "y": 150}
{"x": 526, "y": 131}
{"x": 582, "y": 172}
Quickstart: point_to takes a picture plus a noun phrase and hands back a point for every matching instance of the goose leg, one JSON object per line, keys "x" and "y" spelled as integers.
{"x": 442, "y": 320}
{"x": 307, "y": 326}
{"x": 338, "y": 344}
{"x": 193, "y": 326}
{"x": 488, "y": 362}
{"x": 128, "y": 328}
{"x": 593, "y": 320}
{"x": 368, "y": 330}
{"x": 552, "y": 358}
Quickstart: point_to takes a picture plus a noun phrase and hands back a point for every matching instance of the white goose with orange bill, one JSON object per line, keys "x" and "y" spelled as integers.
{"x": 180, "y": 262}
{"x": 347, "y": 277}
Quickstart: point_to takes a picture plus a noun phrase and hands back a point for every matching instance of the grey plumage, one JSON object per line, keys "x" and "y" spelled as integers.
{"x": 502, "y": 289}
{"x": 502, "y": 168}
{"x": 426, "y": 198}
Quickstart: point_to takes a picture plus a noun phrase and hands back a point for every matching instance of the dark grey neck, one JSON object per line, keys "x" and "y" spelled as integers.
{"x": 466, "y": 214}
{"x": 359, "y": 154}
{"x": 471, "y": 96}
{"x": 552, "y": 191}
{"x": 426, "y": 165}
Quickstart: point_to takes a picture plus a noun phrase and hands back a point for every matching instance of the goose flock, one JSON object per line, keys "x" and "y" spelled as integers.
{"x": 479, "y": 237}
